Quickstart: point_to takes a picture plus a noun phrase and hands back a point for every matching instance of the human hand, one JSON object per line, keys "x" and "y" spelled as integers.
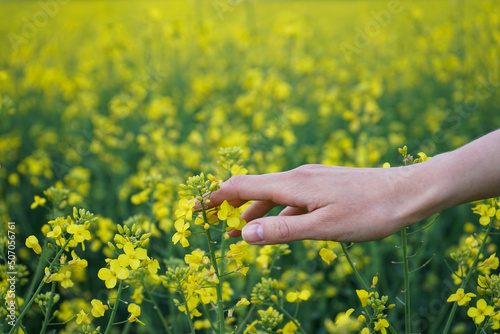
{"x": 324, "y": 203}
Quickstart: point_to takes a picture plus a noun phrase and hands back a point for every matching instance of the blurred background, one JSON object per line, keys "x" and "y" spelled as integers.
{"x": 97, "y": 96}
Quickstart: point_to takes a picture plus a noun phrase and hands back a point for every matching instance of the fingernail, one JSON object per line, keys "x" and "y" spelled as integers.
{"x": 252, "y": 233}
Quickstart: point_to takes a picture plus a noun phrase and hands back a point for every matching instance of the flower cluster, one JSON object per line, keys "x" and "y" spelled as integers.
{"x": 470, "y": 260}
{"x": 114, "y": 116}
{"x": 375, "y": 317}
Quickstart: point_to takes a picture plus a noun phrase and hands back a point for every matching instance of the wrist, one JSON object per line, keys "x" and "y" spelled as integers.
{"x": 426, "y": 189}
{"x": 437, "y": 185}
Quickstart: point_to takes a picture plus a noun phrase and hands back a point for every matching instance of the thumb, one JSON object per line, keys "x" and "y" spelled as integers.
{"x": 279, "y": 229}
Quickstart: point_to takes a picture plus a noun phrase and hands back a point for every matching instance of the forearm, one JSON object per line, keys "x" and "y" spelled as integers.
{"x": 469, "y": 173}
{"x": 360, "y": 204}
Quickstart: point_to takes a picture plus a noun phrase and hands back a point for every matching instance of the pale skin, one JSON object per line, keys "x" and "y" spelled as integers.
{"x": 361, "y": 204}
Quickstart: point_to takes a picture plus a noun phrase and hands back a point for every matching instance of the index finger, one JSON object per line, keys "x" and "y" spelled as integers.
{"x": 242, "y": 188}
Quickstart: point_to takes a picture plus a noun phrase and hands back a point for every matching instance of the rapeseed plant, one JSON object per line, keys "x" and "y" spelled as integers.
{"x": 114, "y": 116}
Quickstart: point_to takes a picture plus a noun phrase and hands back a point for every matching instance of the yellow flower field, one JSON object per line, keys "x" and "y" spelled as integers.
{"x": 116, "y": 115}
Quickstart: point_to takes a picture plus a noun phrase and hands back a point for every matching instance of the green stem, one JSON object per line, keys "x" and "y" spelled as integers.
{"x": 278, "y": 306}
{"x": 360, "y": 279}
{"x": 274, "y": 257}
{"x": 207, "y": 315}
{"x": 296, "y": 310}
{"x": 25, "y": 309}
{"x": 62, "y": 323}
{"x": 49, "y": 308}
{"x": 40, "y": 286}
{"x": 222, "y": 251}
{"x": 213, "y": 259}
{"x": 115, "y": 308}
{"x": 184, "y": 301}
{"x": 371, "y": 317}
{"x": 176, "y": 329}
{"x": 245, "y": 319}
{"x": 126, "y": 328}
{"x": 156, "y": 308}
{"x": 356, "y": 272}
{"x": 38, "y": 273}
{"x": 467, "y": 278}
{"x": 404, "y": 239}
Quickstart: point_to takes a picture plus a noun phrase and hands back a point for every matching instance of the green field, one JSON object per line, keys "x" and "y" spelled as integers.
{"x": 116, "y": 103}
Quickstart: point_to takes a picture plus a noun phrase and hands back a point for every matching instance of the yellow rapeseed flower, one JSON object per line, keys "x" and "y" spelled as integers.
{"x": 496, "y": 321}
{"x": 83, "y": 317}
{"x": 236, "y": 252}
{"x": 251, "y": 328}
{"x": 193, "y": 301}
{"x": 231, "y": 215}
{"x": 141, "y": 197}
{"x": 210, "y": 275}
{"x": 461, "y": 298}
{"x": 381, "y": 325}
{"x": 39, "y": 201}
{"x": 486, "y": 212}
{"x": 491, "y": 262}
{"x": 290, "y": 328}
{"x": 298, "y": 296}
{"x": 242, "y": 270}
{"x": 80, "y": 233}
{"x": 238, "y": 170}
{"x": 32, "y": 242}
{"x": 421, "y": 157}
{"x": 480, "y": 312}
{"x": 202, "y": 324}
{"x": 185, "y": 209}
{"x": 76, "y": 262}
{"x": 182, "y": 233}
{"x": 403, "y": 151}
{"x": 207, "y": 295}
{"x": 138, "y": 296}
{"x": 98, "y": 308}
{"x": 132, "y": 256}
{"x": 211, "y": 218}
{"x": 47, "y": 278}
{"x": 56, "y": 234}
{"x": 64, "y": 277}
{"x": 327, "y": 255}
{"x": 115, "y": 271}
{"x": 343, "y": 318}
{"x": 194, "y": 259}
{"x": 152, "y": 265}
{"x": 363, "y": 296}
{"x": 242, "y": 302}
{"x": 135, "y": 312}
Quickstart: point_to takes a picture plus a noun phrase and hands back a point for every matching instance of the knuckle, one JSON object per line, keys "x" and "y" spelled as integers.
{"x": 236, "y": 181}
{"x": 282, "y": 229}
{"x": 304, "y": 170}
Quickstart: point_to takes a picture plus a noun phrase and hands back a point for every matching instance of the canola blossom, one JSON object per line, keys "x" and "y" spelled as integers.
{"x": 118, "y": 122}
